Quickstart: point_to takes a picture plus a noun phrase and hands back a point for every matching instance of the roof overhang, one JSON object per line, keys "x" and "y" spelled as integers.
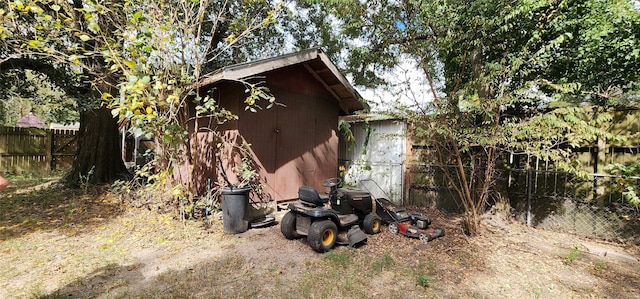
{"x": 371, "y": 117}
{"x": 314, "y": 60}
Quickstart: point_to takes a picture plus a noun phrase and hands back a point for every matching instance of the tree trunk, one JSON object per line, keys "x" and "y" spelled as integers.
{"x": 99, "y": 158}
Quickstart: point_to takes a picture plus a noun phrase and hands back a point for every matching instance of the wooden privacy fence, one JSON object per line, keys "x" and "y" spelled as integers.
{"x": 36, "y": 150}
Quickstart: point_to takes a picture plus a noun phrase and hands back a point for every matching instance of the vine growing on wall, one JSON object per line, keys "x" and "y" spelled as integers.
{"x": 368, "y": 129}
{"x": 344, "y": 127}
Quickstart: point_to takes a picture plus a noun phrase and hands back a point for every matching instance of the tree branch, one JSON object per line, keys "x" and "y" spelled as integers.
{"x": 57, "y": 75}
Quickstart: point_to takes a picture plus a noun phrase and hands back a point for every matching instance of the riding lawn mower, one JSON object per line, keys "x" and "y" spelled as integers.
{"x": 341, "y": 221}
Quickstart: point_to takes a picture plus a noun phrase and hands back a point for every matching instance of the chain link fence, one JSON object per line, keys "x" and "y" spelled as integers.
{"x": 552, "y": 200}
{"x": 592, "y": 207}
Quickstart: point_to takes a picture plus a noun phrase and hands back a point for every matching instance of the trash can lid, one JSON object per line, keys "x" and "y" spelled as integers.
{"x": 235, "y": 190}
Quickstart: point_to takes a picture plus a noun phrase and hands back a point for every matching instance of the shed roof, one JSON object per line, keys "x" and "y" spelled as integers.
{"x": 30, "y": 120}
{"x": 314, "y": 60}
{"x": 371, "y": 117}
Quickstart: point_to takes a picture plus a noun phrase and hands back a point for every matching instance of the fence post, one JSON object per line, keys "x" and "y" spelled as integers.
{"x": 3, "y": 146}
{"x": 48, "y": 150}
{"x": 529, "y": 188}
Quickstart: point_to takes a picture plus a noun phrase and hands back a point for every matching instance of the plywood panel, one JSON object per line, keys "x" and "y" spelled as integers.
{"x": 294, "y": 143}
{"x": 295, "y": 164}
{"x": 259, "y": 129}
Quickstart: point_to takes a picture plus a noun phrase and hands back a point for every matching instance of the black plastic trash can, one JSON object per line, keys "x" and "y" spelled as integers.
{"x": 234, "y": 208}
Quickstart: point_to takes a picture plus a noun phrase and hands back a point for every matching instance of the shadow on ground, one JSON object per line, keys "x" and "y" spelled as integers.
{"x": 227, "y": 276}
{"x": 101, "y": 281}
{"x": 53, "y": 206}
{"x": 249, "y": 271}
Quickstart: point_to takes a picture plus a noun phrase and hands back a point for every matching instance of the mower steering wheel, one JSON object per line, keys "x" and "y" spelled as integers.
{"x": 332, "y": 182}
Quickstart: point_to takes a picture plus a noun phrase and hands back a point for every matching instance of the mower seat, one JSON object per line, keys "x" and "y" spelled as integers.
{"x": 310, "y": 195}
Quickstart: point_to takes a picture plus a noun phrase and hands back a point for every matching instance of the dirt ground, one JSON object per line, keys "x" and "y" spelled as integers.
{"x": 92, "y": 247}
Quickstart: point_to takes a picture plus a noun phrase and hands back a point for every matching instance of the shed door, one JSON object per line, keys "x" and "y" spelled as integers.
{"x": 295, "y": 163}
{"x": 280, "y": 137}
{"x": 296, "y": 144}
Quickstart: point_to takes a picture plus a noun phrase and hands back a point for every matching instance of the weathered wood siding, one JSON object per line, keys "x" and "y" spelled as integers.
{"x": 294, "y": 143}
{"x": 34, "y": 150}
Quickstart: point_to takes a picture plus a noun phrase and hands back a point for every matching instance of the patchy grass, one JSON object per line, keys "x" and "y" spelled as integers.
{"x": 35, "y": 203}
{"x": 571, "y": 256}
{"x": 70, "y": 243}
{"x": 384, "y": 262}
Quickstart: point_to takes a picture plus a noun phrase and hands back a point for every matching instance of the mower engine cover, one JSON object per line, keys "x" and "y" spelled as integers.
{"x": 422, "y": 221}
{"x": 351, "y": 201}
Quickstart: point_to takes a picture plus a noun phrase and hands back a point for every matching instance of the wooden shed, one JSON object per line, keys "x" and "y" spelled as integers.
{"x": 295, "y": 142}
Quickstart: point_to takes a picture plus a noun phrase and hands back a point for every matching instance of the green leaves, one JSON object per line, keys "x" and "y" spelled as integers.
{"x": 627, "y": 184}
{"x": 146, "y": 57}
{"x": 27, "y": 90}
{"x": 257, "y": 94}
{"x": 506, "y": 75}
